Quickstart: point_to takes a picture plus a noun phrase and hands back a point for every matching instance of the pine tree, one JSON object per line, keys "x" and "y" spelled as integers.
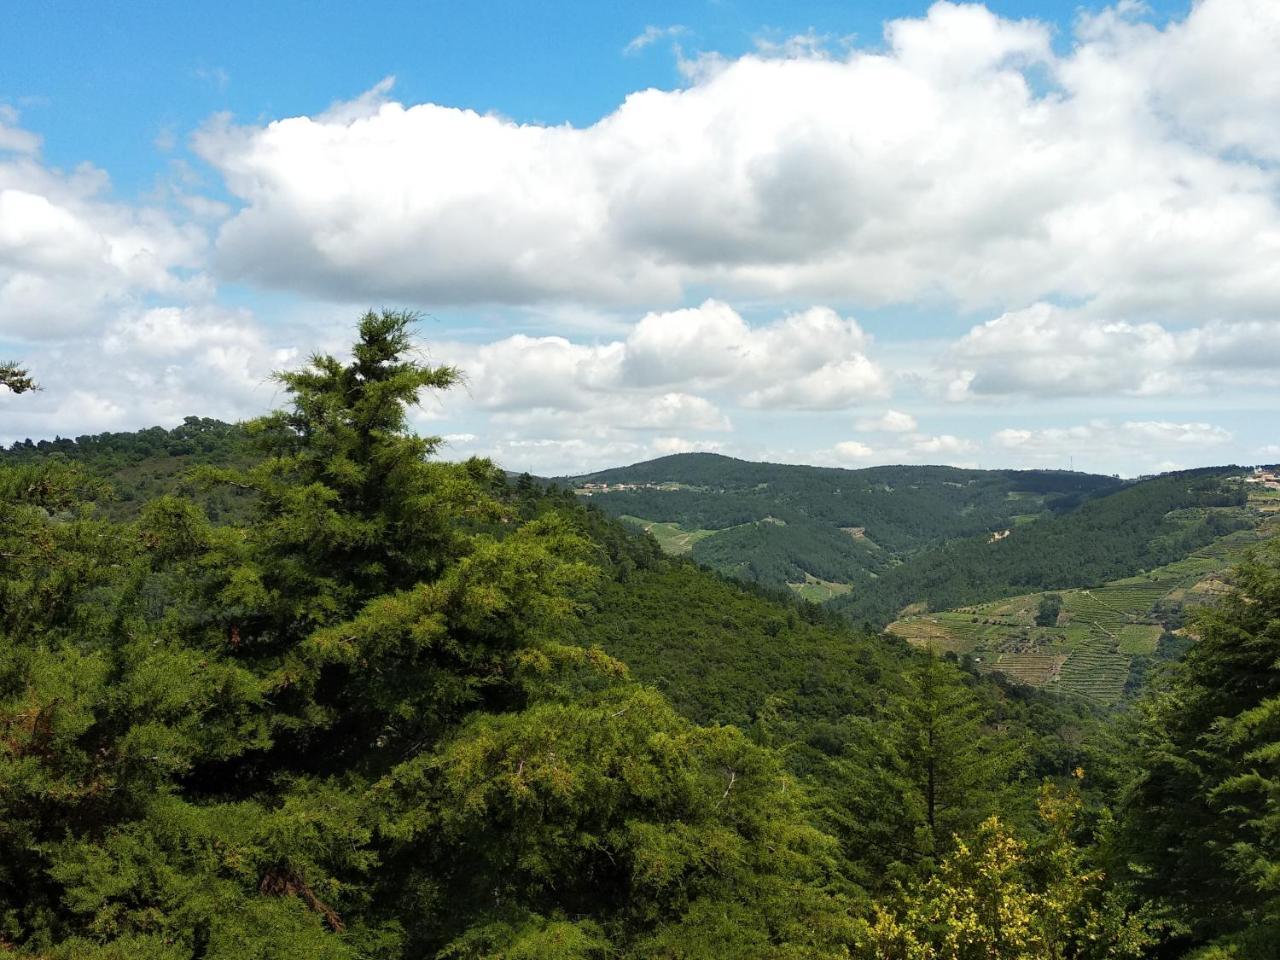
{"x": 350, "y": 726}
{"x": 1201, "y": 817}
{"x": 931, "y": 765}
{"x": 16, "y": 378}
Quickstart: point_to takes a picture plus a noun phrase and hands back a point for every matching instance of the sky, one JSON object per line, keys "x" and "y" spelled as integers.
{"x": 1027, "y": 234}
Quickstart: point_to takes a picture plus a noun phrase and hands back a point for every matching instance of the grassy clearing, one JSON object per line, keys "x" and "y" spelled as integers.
{"x": 927, "y": 633}
{"x": 816, "y": 590}
{"x": 671, "y": 537}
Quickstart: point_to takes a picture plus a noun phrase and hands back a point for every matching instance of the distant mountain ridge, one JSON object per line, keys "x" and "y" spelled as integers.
{"x": 873, "y": 541}
{"x": 821, "y": 530}
{"x": 719, "y": 469}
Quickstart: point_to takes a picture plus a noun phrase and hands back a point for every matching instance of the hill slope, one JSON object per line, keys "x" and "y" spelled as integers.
{"x": 1138, "y": 527}
{"x": 1097, "y": 641}
{"x": 815, "y": 527}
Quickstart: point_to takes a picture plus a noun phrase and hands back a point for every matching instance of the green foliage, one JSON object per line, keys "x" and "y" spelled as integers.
{"x": 926, "y": 765}
{"x": 1139, "y": 527}
{"x": 327, "y": 696}
{"x": 837, "y": 525}
{"x": 615, "y": 808}
{"x": 1048, "y": 611}
{"x": 351, "y": 726}
{"x": 16, "y": 379}
{"x": 1202, "y": 824}
{"x": 141, "y": 465}
{"x": 722, "y": 655}
{"x": 998, "y": 896}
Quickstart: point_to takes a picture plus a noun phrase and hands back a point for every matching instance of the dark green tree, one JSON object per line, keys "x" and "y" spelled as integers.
{"x": 1202, "y": 819}
{"x": 351, "y": 726}
{"x": 930, "y": 765}
{"x": 1048, "y": 610}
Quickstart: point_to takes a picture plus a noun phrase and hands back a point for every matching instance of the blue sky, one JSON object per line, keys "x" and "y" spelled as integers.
{"x": 102, "y": 81}
{"x": 1026, "y": 233}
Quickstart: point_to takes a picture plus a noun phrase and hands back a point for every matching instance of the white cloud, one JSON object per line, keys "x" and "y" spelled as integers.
{"x": 1154, "y": 443}
{"x": 853, "y": 450}
{"x": 148, "y": 367}
{"x": 69, "y": 255}
{"x": 891, "y": 421}
{"x": 1215, "y": 73}
{"x": 945, "y": 444}
{"x": 651, "y": 35}
{"x": 911, "y": 448}
{"x": 812, "y": 360}
{"x": 618, "y": 414}
{"x": 1046, "y": 350}
{"x": 833, "y": 386}
{"x": 573, "y": 455}
{"x": 964, "y": 160}
{"x": 13, "y": 139}
{"x": 669, "y": 445}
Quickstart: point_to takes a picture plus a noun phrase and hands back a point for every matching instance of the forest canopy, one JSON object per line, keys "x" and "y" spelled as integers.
{"x": 386, "y": 706}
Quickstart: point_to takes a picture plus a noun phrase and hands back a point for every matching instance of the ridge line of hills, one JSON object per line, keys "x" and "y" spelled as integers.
{"x": 952, "y": 557}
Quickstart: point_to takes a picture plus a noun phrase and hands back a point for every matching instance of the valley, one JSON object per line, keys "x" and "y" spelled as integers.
{"x": 1121, "y": 563}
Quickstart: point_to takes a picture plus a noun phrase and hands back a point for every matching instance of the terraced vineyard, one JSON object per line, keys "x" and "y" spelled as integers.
{"x": 1095, "y": 670}
{"x": 1090, "y": 650}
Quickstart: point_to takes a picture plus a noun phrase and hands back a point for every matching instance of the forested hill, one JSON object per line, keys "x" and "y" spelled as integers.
{"x": 817, "y": 528}
{"x": 142, "y": 464}
{"x": 1146, "y": 525}
{"x": 395, "y": 708}
{"x": 202, "y": 437}
{"x": 875, "y": 541}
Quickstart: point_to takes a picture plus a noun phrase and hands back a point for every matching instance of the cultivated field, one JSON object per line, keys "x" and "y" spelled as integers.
{"x": 1090, "y": 650}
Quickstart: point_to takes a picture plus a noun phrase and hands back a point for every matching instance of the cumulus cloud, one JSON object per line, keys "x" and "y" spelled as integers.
{"x": 669, "y": 445}
{"x": 891, "y": 421}
{"x": 1047, "y": 350}
{"x": 1215, "y": 73}
{"x": 853, "y": 450}
{"x": 149, "y": 366}
{"x": 68, "y": 254}
{"x": 1129, "y": 433}
{"x": 619, "y": 414}
{"x": 560, "y": 456}
{"x": 1160, "y": 444}
{"x": 963, "y": 159}
{"x": 673, "y": 374}
{"x": 945, "y": 444}
{"x": 909, "y": 448}
{"x": 811, "y": 360}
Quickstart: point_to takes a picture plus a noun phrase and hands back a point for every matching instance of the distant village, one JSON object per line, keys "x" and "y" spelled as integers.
{"x": 587, "y": 489}
{"x": 1266, "y": 477}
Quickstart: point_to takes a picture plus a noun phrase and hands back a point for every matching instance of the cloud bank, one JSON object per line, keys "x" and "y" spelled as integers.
{"x": 1099, "y": 209}
{"x": 965, "y": 162}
